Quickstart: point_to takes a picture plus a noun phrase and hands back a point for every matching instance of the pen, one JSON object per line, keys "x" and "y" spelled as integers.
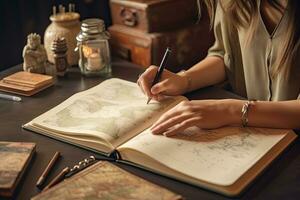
{"x": 47, "y": 169}
{"x": 160, "y": 70}
{"x": 10, "y": 97}
{"x": 68, "y": 172}
{"x": 58, "y": 178}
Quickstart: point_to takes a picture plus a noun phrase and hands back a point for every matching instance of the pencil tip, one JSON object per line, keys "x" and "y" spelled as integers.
{"x": 149, "y": 99}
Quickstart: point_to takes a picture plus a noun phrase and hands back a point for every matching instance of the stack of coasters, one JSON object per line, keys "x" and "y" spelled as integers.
{"x": 25, "y": 83}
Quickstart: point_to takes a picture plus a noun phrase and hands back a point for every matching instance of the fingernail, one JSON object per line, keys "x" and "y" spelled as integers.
{"x": 154, "y": 131}
{"x": 165, "y": 134}
{"x": 152, "y": 127}
{"x": 153, "y": 90}
{"x": 168, "y": 134}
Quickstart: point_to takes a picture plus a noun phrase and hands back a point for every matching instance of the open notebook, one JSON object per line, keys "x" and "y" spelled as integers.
{"x": 113, "y": 118}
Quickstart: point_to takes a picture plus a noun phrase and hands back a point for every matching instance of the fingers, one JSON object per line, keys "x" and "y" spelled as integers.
{"x": 181, "y": 127}
{"x": 168, "y": 115}
{"x": 169, "y": 123}
{"x": 177, "y": 119}
{"x": 158, "y": 97}
{"x": 167, "y": 84}
{"x": 145, "y": 86}
{"x": 145, "y": 80}
{"x": 159, "y": 87}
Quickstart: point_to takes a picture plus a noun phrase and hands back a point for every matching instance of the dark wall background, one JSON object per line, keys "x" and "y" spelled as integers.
{"x": 18, "y": 18}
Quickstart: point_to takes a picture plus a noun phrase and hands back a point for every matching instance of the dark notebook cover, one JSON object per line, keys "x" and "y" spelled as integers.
{"x": 14, "y": 158}
{"x": 106, "y": 181}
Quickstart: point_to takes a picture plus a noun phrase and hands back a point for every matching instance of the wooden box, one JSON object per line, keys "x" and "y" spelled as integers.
{"x": 188, "y": 44}
{"x": 153, "y": 15}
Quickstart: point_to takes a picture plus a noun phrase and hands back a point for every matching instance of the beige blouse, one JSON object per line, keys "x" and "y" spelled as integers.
{"x": 248, "y": 68}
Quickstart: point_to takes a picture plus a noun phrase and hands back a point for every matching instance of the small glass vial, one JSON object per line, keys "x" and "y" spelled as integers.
{"x": 93, "y": 47}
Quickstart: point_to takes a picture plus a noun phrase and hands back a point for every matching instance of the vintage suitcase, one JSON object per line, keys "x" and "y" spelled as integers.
{"x": 189, "y": 45}
{"x": 154, "y": 15}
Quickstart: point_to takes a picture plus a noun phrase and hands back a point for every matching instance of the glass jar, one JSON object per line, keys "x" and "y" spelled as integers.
{"x": 93, "y": 47}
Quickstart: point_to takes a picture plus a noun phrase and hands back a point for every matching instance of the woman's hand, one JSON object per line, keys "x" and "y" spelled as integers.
{"x": 170, "y": 83}
{"x": 205, "y": 114}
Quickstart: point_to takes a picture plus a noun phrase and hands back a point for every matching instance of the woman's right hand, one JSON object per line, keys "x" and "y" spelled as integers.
{"x": 170, "y": 84}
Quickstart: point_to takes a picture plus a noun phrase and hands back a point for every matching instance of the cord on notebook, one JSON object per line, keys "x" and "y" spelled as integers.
{"x": 86, "y": 163}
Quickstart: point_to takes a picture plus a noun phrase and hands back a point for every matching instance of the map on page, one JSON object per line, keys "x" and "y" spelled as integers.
{"x": 113, "y": 108}
{"x": 219, "y": 156}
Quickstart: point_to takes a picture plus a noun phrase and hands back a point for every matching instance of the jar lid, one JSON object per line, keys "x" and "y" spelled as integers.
{"x": 93, "y": 26}
{"x": 92, "y": 22}
{"x": 91, "y": 29}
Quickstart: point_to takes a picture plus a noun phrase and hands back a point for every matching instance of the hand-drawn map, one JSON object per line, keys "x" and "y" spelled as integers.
{"x": 217, "y": 156}
{"x": 114, "y": 108}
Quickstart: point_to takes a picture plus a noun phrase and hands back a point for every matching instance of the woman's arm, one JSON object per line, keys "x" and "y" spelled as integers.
{"x": 208, "y": 72}
{"x": 278, "y": 114}
{"x": 217, "y": 113}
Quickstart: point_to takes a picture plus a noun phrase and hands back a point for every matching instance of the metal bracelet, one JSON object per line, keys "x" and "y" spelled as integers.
{"x": 245, "y": 111}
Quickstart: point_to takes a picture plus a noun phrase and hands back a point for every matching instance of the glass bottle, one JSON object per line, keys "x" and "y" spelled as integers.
{"x": 93, "y": 47}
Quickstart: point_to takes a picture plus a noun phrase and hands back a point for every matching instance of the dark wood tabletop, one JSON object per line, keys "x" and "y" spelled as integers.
{"x": 280, "y": 181}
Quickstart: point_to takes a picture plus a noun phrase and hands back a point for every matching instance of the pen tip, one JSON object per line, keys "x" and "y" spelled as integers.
{"x": 149, "y": 99}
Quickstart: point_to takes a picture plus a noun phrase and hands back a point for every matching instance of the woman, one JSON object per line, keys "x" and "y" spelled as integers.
{"x": 257, "y": 51}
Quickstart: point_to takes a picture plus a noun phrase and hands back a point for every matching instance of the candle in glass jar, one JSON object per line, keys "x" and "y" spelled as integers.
{"x": 94, "y": 62}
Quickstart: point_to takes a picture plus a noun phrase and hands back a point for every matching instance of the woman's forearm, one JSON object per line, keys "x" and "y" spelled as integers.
{"x": 281, "y": 114}
{"x": 209, "y": 71}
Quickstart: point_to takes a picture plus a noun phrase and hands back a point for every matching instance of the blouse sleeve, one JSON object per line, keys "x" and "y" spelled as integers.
{"x": 218, "y": 47}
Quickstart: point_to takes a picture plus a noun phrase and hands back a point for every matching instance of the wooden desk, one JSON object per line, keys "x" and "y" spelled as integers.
{"x": 280, "y": 181}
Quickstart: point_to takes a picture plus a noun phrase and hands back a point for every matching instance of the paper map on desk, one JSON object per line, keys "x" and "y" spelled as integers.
{"x": 112, "y": 108}
{"x": 217, "y": 156}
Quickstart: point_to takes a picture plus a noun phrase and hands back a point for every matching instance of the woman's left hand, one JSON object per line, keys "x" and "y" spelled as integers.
{"x": 205, "y": 114}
